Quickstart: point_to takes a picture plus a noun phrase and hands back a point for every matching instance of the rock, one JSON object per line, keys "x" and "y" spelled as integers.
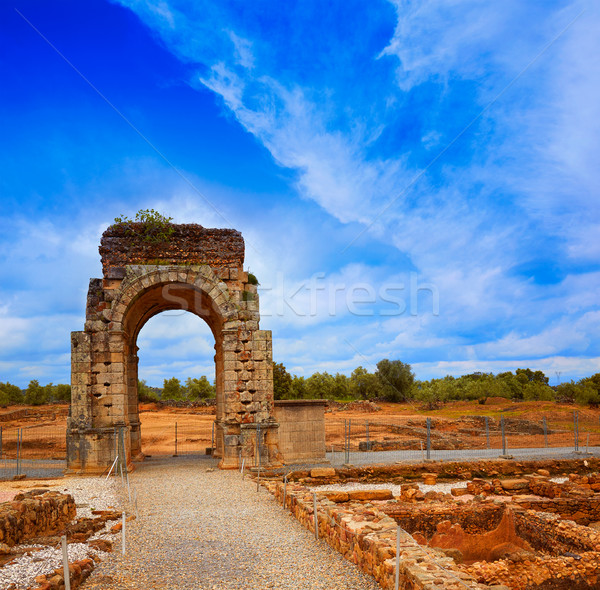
{"x": 459, "y": 491}
{"x": 455, "y": 554}
{"x": 101, "y": 545}
{"x": 4, "y": 549}
{"x": 368, "y": 495}
{"x": 116, "y": 528}
{"x": 430, "y": 479}
{"x": 543, "y": 472}
{"x": 336, "y": 497}
{"x": 322, "y": 472}
{"x": 514, "y": 484}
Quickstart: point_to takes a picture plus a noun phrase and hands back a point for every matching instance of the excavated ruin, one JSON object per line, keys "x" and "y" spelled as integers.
{"x": 494, "y": 524}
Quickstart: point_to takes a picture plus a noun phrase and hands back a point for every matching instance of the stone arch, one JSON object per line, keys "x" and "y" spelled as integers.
{"x": 104, "y": 355}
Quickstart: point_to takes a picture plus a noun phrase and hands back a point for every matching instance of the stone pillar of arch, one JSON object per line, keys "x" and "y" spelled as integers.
{"x": 197, "y": 270}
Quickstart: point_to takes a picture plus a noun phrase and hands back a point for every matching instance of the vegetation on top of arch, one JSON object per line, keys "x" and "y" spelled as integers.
{"x": 150, "y": 225}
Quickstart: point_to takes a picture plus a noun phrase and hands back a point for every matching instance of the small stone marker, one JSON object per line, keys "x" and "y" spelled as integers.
{"x": 430, "y": 479}
{"x": 322, "y": 472}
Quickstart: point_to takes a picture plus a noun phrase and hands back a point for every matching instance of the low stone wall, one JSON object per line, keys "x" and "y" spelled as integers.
{"x": 580, "y": 510}
{"x": 301, "y": 430}
{"x": 366, "y": 536}
{"x": 30, "y": 515}
{"x": 548, "y": 533}
{"x": 79, "y": 571}
{"x": 424, "y": 518}
{"x": 452, "y": 470}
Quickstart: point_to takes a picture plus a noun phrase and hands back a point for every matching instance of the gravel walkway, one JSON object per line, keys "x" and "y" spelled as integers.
{"x": 208, "y": 529}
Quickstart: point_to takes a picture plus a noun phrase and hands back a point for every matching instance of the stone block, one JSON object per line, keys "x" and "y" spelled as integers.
{"x": 322, "y": 472}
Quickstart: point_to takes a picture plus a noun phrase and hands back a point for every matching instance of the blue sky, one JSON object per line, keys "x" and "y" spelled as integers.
{"x": 414, "y": 180}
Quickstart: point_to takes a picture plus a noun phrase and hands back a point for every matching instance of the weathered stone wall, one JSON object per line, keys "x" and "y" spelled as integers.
{"x": 30, "y": 516}
{"x": 473, "y": 519}
{"x": 452, "y": 470}
{"x": 122, "y": 245}
{"x": 367, "y": 537}
{"x": 301, "y": 430}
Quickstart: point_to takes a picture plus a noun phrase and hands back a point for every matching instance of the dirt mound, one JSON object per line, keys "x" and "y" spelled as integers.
{"x": 364, "y": 406}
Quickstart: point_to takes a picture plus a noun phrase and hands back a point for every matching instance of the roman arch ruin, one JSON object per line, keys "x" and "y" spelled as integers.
{"x": 198, "y": 270}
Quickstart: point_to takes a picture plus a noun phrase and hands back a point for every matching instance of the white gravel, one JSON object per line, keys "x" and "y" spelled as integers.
{"x": 90, "y": 493}
{"x": 395, "y": 489}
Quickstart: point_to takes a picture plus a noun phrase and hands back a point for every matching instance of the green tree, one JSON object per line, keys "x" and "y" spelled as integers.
{"x": 35, "y": 395}
{"x": 282, "y": 382}
{"x": 199, "y": 388}
{"x": 364, "y": 385}
{"x": 588, "y": 390}
{"x": 298, "y": 389}
{"x": 432, "y": 393}
{"x": 396, "y": 379}
{"x": 13, "y": 394}
{"x": 145, "y": 393}
{"x": 62, "y": 392}
{"x": 172, "y": 389}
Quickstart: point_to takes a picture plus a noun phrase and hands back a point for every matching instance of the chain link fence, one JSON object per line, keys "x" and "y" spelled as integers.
{"x": 387, "y": 440}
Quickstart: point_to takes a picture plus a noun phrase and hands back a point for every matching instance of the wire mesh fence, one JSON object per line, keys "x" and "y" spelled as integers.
{"x": 180, "y": 437}
{"x": 35, "y": 451}
{"x": 386, "y": 440}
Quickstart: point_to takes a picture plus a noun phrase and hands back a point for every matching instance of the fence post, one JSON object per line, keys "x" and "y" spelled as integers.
{"x": 175, "y": 455}
{"x": 428, "y": 438}
{"x": 576, "y": 428}
{"x": 545, "y": 433}
{"x": 487, "y": 431}
{"x": 123, "y": 533}
{"x": 0, "y": 442}
{"x": 503, "y": 435}
{"x": 18, "y": 450}
{"x": 65, "y": 560}
{"x": 212, "y": 440}
{"x": 397, "y": 584}
{"x": 258, "y": 448}
{"x": 122, "y": 445}
{"x": 315, "y": 515}
{"x": 284, "y": 490}
{"x": 368, "y": 443}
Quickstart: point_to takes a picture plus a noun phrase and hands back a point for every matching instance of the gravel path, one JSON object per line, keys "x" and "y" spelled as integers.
{"x": 208, "y": 529}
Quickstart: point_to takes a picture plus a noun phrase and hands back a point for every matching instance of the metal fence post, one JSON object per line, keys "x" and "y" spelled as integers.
{"x": 18, "y": 450}
{"x": 367, "y": 429}
{"x": 503, "y": 435}
{"x": 65, "y": 560}
{"x": 487, "y": 431}
{"x": 0, "y": 442}
{"x": 212, "y": 439}
{"x": 428, "y": 438}
{"x": 576, "y": 429}
{"x": 545, "y": 433}
{"x": 258, "y": 450}
{"x": 175, "y": 455}
{"x": 397, "y": 580}
{"x": 315, "y": 515}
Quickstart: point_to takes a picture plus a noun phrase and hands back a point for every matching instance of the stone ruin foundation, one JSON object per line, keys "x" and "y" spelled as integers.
{"x": 197, "y": 270}
{"x": 505, "y": 524}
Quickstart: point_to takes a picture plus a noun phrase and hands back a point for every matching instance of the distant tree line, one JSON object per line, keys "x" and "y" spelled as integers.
{"x": 35, "y": 394}
{"x": 191, "y": 390}
{"x": 394, "y": 381}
